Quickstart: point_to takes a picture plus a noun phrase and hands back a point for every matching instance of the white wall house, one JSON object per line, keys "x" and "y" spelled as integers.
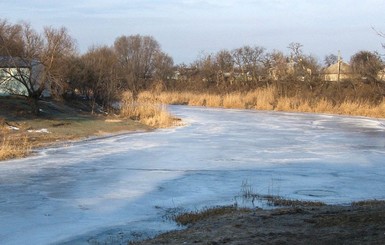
{"x": 13, "y": 69}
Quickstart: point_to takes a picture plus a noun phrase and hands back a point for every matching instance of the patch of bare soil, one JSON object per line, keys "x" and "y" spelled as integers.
{"x": 362, "y": 223}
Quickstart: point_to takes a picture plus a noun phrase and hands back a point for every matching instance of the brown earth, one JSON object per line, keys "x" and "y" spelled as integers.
{"x": 362, "y": 223}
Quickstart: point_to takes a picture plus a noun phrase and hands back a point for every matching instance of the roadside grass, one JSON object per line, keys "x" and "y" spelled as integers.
{"x": 269, "y": 99}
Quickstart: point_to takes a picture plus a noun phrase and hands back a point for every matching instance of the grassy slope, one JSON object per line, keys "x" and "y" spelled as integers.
{"x": 62, "y": 121}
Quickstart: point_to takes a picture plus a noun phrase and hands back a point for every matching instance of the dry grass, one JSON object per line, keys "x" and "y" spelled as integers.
{"x": 353, "y": 108}
{"x": 146, "y": 109}
{"x": 14, "y": 148}
{"x": 20, "y": 131}
{"x": 189, "y": 218}
{"x": 233, "y": 100}
{"x": 278, "y": 201}
{"x": 368, "y": 203}
{"x": 268, "y": 99}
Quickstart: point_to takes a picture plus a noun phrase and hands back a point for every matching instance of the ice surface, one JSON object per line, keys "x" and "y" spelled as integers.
{"x": 118, "y": 188}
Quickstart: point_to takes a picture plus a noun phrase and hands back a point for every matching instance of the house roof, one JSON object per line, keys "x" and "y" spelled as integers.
{"x": 13, "y": 62}
{"x": 344, "y": 69}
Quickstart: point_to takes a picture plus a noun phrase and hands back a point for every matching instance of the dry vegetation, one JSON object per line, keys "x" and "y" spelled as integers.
{"x": 14, "y": 149}
{"x": 269, "y": 99}
{"x": 21, "y": 131}
{"x": 11, "y": 148}
{"x": 146, "y": 110}
{"x": 354, "y": 224}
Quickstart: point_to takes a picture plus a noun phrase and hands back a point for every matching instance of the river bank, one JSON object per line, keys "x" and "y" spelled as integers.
{"x": 22, "y": 132}
{"x": 359, "y": 223}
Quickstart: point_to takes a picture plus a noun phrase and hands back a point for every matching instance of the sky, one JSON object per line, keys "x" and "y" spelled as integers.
{"x": 186, "y": 29}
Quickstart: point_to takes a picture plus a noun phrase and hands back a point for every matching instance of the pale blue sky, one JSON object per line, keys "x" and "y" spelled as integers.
{"x": 187, "y": 28}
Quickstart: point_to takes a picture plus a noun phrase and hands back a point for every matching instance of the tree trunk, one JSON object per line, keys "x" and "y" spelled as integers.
{"x": 33, "y": 102}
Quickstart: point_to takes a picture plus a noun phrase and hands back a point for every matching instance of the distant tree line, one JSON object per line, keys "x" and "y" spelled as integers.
{"x": 137, "y": 63}
{"x": 251, "y": 67}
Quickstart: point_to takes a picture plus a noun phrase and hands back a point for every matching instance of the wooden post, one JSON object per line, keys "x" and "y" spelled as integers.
{"x": 339, "y": 65}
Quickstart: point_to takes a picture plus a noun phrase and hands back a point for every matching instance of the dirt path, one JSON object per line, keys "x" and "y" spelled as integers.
{"x": 364, "y": 224}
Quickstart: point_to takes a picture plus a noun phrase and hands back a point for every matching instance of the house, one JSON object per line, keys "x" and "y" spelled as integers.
{"x": 282, "y": 69}
{"x": 338, "y": 72}
{"x": 13, "y": 70}
{"x": 381, "y": 75}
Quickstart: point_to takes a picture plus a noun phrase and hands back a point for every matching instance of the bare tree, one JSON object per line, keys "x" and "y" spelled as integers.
{"x": 224, "y": 61}
{"x": 330, "y": 59}
{"x": 103, "y": 81}
{"x": 39, "y": 64}
{"x": 249, "y": 61}
{"x": 253, "y": 60}
{"x": 56, "y": 55}
{"x": 163, "y": 66}
{"x": 206, "y": 66}
{"x": 296, "y": 52}
{"x": 277, "y": 65}
{"x": 225, "y": 66}
{"x": 303, "y": 66}
{"x": 366, "y": 64}
{"x": 136, "y": 56}
{"x": 10, "y": 39}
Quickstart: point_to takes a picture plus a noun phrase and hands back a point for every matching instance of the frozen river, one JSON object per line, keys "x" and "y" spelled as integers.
{"x": 122, "y": 187}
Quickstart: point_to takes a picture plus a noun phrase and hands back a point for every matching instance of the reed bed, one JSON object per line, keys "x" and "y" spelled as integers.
{"x": 268, "y": 99}
{"x": 146, "y": 109}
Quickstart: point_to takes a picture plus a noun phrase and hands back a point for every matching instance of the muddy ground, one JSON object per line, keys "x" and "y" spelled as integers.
{"x": 355, "y": 224}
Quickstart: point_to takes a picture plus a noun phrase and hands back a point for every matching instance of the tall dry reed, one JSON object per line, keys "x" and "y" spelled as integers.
{"x": 268, "y": 99}
{"x": 14, "y": 148}
{"x": 146, "y": 109}
{"x": 262, "y": 99}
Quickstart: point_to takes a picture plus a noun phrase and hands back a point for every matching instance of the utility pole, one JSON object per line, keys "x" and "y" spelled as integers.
{"x": 339, "y": 65}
